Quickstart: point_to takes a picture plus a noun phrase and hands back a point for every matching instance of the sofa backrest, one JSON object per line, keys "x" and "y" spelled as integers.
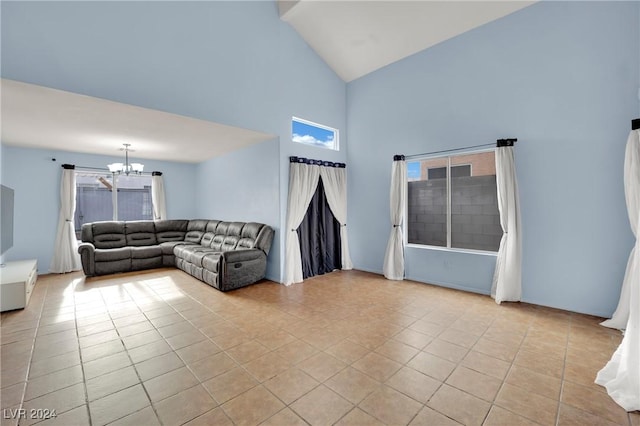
{"x": 219, "y": 235}
{"x": 104, "y": 235}
{"x": 140, "y": 233}
{"x": 195, "y": 230}
{"x": 249, "y": 235}
{"x": 210, "y": 232}
{"x": 233, "y": 236}
{"x": 170, "y": 230}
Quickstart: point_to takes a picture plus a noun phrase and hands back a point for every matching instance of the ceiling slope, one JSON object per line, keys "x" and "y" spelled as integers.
{"x": 356, "y": 37}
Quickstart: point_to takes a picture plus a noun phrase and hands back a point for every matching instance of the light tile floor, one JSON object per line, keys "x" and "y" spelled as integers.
{"x": 160, "y": 347}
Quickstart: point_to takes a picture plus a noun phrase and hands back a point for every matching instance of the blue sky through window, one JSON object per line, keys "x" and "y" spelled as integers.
{"x": 309, "y": 134}
{"x": 413, "y": 170}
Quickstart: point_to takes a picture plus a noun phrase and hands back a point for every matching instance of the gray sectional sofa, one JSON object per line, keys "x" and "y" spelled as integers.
{"x": 225, "y": 255}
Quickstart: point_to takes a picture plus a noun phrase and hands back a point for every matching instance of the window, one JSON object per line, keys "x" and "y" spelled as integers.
{"x": 310, "y": 133}
{"x": 453, "y": 202}
{"x": 456, "y": 171}
{"x": 95, "y": 198}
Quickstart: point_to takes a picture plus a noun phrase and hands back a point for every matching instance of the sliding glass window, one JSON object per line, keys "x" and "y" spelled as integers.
{"x": 452, "y": 202}
{"x": 107, "y": 196}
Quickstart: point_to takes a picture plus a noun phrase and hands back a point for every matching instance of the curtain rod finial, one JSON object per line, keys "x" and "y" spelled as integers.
{"x": 635, "y": 124}
{"x": 506, "y": 142}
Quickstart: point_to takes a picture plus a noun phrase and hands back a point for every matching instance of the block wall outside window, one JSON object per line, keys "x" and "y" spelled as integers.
{"x": 460, "y": 212}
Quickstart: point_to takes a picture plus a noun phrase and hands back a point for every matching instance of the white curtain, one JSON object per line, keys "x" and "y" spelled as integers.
{"x": 303, "y": 180}
{"x": 65, "y": 253}
{"x": 632, "y": 195}
{"x": 507, "y": 278}
{"x": 393, "y": 267}
{"x": 621, "y": 375}
{"x": 334, "y": 180}
{"x": 157, "y": 197}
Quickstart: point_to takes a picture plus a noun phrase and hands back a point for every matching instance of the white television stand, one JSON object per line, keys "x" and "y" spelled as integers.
{"x": 17, "y": 280}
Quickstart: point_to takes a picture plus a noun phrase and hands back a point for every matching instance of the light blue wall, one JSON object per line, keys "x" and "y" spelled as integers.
{"x": 562, "y": 77}
{"x": 35, "y": 179}
{"x": 208, "y": 60}
{"x": 309, "y": 90}
{"x": 231, "y": 62}
{"x": 244, "y": 186}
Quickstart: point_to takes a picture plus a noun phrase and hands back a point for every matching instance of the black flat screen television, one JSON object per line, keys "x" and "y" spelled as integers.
{"x": 6, "y": 218}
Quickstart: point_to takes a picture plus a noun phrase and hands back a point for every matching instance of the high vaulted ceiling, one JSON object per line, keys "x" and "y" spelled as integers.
{"x": 356, "y": 37}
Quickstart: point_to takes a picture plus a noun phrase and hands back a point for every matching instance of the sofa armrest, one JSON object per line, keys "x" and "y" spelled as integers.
{"x": 88, "y": 258}
{"x": 238, "y": 268}
{"x": 233, "y": 256}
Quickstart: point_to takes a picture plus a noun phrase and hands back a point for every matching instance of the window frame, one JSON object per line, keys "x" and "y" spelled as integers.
{"x": 405, "y": 222}
{"x": 114, "y": 192}
{"x": 336, "y": 133}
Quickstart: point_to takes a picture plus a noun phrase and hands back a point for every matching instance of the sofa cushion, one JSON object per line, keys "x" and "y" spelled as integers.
{"x": 230, "y": 243}
{"x": 140, "y": 233}
{"x": 145, "y": 252}
{"x": 195, "y": 256}
{"x": 217, "y": 241}
{"x": 195, "y": 230}
{"x": 234, "y": 231}
{"x": 249, "y": 234}
{"x": 112, "y": 254}
{"x": 222, "y": 228}
{"x": 107, "y": 235}
{"x": 210, "y": 233}
{"x": 168, "y": 246}
{"x": 182, "y": 251}
{"x": 211, "y": 262}
{"x": 170, "y": 230}
{"x": 146, "y": 263}
{"x": 104, "y": 268}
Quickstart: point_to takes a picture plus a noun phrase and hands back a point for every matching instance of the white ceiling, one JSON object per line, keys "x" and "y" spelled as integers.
{"x": 356, "y": 37}
{"x": 40, "y": 117}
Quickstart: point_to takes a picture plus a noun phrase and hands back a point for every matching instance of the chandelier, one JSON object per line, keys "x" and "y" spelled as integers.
{"x": 125, "y": 167}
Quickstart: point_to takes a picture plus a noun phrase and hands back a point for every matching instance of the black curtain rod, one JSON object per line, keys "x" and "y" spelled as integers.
{"x": 102, "y": 169}
{"x": 635, "y": 124}
{"x": 316, "y": 162}
{"x": 499, "y": 143}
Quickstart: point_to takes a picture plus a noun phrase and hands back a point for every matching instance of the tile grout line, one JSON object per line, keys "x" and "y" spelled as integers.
{"x": 33, "y": 346}
{"x": 189, "y": 315}
{"x": 564, "y": 366}
{"x": 84, "y": 377}
{"x": 506, "y": 376}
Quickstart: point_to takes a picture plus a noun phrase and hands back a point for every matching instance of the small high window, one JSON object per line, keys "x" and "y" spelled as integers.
{"x": 314, "y": 134}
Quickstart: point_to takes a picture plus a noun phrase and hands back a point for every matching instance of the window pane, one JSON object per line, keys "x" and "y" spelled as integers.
{"x": 93, "y": 198}
{"x": 437, "y": 173}
{"x": 461, "y": 171}
{"x": 313, "y": 134}
{"x": 427, "y": 210}
{"x": 475, "y": 220}
{"x": 134, "y": 197}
